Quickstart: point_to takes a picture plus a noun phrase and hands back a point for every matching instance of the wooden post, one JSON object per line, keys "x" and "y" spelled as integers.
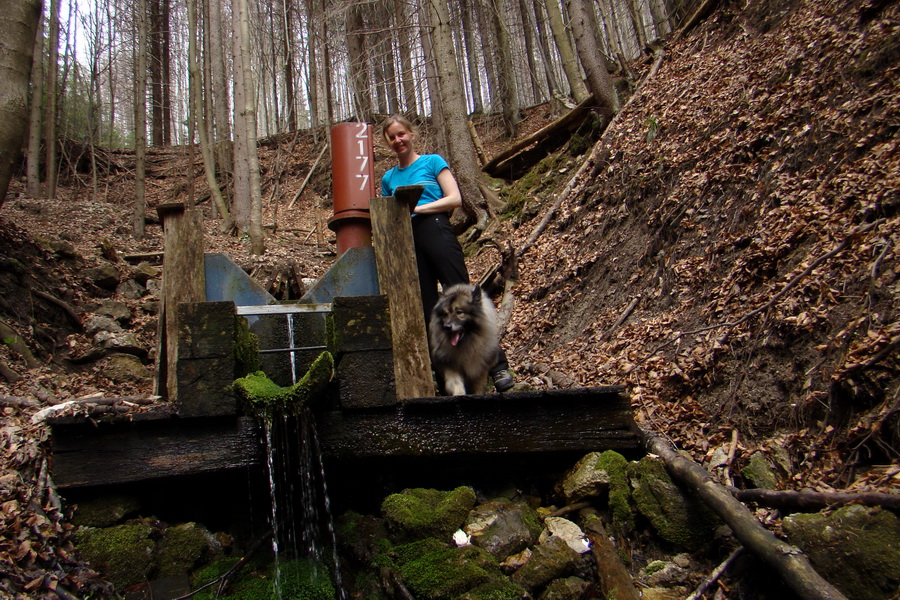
{"x": 398, "y": 279}
{"x": 184, "y": 280}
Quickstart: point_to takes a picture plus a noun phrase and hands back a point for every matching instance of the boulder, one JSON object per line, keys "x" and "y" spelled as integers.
{"x": 502, "y": 528}
{"x": 855, "y": 548}
{"x": 418, "y": 512}
{"x": 550, "y": 560}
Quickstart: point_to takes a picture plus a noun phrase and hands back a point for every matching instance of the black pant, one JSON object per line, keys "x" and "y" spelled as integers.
{"x": 439, "y": 258}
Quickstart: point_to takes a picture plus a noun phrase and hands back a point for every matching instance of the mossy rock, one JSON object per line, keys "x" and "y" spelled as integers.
{"x": 362, "y": 537}
{"x": 419, "y": 513}
{"x": 246, "y": 348}
{"x": 759, "y": 473}
{"x": 447, "y": 573}
{"x": 295, "y": 580}
{"x": 105, "y": 511}
{"x": 183, "y": 548}
{"x": 677, "y": 515}
{"x": 565, "y": 589}
{"x": 122, "y": 554}
{"x": 304, "y": 580}
{"x": 267, "y": 396}
{"x": 855, "y": 548}
{"x": 500, "y": 588}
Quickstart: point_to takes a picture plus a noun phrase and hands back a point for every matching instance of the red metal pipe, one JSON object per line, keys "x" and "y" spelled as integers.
{"x": 353, "y": 183}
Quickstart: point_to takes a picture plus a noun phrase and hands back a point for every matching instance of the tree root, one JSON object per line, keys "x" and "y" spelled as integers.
{"x": 9, "y": 336}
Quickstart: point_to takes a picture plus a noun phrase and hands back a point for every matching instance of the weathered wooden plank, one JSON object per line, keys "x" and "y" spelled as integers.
{"x": 206, "y": 361}
{"x": 114, "y": 453}
{"x": 398, "y": 279}
{"x": 519, "y": 422}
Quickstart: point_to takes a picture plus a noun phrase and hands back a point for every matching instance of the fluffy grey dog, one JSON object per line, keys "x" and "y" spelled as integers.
{"x": 463, "y": 338}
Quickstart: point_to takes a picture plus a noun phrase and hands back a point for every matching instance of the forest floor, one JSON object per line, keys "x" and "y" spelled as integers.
{"x": 728, "y": 251}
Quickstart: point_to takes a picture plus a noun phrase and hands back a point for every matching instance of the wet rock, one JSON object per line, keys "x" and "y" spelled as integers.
{"x": 587, "y": 479}
{"x": 105, "y": 277}
{"x": 125, "y": 368}
{"x": 662, "y": 593}
{"x": 759, "y": 473}
{"x": 667, "y": 574}
{"x": 123, "y": 553}
{"x": 550, "y": 560}
{"x": 568, "y": 531}
{"x": 600, "y": 474}
{"x": 446, "y": 573}
{"x": 418, "y": 512}
{"x": 855, "y": 548}
{"x": 565, "y": 589}
{"x": 105, "y": 511}
{"x": 361, "y": 535}
{"x": 183, "y": 548}
{"x": 677, "y": 515}
{"x": 502, "y": 528}
{"x": 516, "y": 561}
{"x": 125, "y": 343}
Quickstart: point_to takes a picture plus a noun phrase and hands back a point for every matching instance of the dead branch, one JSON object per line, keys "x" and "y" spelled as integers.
{"x": 18, "y": 401}
{"x": 615, "y": 582}
{"x": 588, "y": 165}
{"x": 695, "y": 18}
{"x": 726, "y": 474}
{"x": 223, "y": 581}
{"x": 565, "y": 510}
{"x": 308, "y": 176}
{"x": 845, "y": 243}
{"x": 76, "y": 320}
{"x": 788, "y": 561}
{"x": 8, "y": 374}
{"x": 715, "y": 575}
{"x": 810, "y": 500}
{"x": 625, "y": 314}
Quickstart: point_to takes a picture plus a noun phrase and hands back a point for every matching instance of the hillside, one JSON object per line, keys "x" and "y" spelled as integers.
{"x": 728, "y": 250}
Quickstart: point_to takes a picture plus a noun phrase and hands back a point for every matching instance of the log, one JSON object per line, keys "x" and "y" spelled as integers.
{"x": 615, "y": 581}
{"x": 809, "y": 500}
{"x": 789, "y": 561}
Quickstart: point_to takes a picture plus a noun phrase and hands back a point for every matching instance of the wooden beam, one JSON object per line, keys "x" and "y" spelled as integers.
{"x": 520, "y": 422}
{"x": 398, "y": 279}
{"x": 84, "y": 454}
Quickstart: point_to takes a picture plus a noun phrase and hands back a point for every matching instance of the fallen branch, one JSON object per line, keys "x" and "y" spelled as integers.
{"x": 809, "y": 500}
{"x": 308, "y": 176}
{"x": 18, "y": 401}
{"x": 615, "y": 582}
{"x": 789, "y": 561}
{"x": 715, "y": 575}
{"x": 625, "y": 314}
{"x": 12, "y": 339}
{"x": 565, "y": 510}
{"x": 588, "y": 164}
{"x": 225, "y": 578}
{"x": 845, "y": 243}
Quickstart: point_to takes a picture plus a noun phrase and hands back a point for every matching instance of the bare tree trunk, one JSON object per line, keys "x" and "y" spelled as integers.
{"x": 218, "y": 42}
{"x": 598, "y": 80}
{"x": 290, "y": 100}
{"x": 552, "y": 84}
{"x": 257, "y": 242}
{"x": 461, "y": 149}
{"x": 506, "y": 79}
{"x": 357, "y": 54}
{"x": 406, "y": 75}
{"x": 240, "y": 204}
{"x": 140, "y": 120}
{"x": 34, "y": 120}
{"x": 313, "y": 25}
{"x": 209, "y": 164}
{"x": 482, "y": 10}
{"x": 566, "y": 52}
{"x": 50, "y": 159}
{"x": 471, "y": 56}
{"x": 530, "y": 52}
{"x": 18, "y": 27}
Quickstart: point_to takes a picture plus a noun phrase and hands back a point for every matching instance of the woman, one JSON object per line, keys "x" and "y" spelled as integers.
{"x": 439, "y": 256}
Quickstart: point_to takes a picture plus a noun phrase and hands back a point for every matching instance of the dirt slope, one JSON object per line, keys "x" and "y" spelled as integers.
{"x": 730, "y": 254}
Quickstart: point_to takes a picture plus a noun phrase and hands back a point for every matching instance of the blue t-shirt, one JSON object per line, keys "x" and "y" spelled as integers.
{"x": 424, "y": 171}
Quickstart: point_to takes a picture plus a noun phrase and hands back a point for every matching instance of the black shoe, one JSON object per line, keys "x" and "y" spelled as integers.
{"x": 502, "y": 379}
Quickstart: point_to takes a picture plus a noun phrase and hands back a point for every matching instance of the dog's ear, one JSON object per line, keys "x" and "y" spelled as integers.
{"x": 476, "y": 293}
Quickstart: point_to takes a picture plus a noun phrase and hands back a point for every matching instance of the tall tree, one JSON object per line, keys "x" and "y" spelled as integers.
{"x": 468, "y": 34}
{"x": 358, "y": 55}
{"x": 206, "y": 151}
{"x": 506, "y": 80}
{"x": 18, "y": 26}
{"x": 247, "y": 124}
{"x": 461, "y": 148}
{"x": 566, "y": 52}
{"x": 140, "y": 120}
{"x": 52, "y": 92}
{"x": 592, "y": 59}
{"x": 33, "y": 168}
{"x": 406, "y": 67}
{"x": 218, "y": 33}
{"x": 290, "y": 100}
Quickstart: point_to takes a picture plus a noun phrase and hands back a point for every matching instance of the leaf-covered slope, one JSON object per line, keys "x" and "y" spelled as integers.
{"x": 743, "y": 217}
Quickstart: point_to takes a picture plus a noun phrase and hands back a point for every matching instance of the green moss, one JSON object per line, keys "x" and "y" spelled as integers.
{"x": 499, "y": 588}
{"x": 447, "y": 573}
{"x": 122, "y": 554}
{"x": 297, "y": 580}
{"x": 615, "y": 465}
{"x": 304, "y": 580}
{"x": 246, "y": 348}
{"x": 182, "y": 548}
{"x": 418, "y": 513}
{"x": 104, "y": 511}
{"x": 408, "y": 552}
{"x": 677, "y": 515}
{"x": 759, "y": 473}
{"x": 266, "y": 396}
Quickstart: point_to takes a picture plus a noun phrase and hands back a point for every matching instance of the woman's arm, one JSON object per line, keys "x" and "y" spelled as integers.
{"x": 452, "y": 197}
